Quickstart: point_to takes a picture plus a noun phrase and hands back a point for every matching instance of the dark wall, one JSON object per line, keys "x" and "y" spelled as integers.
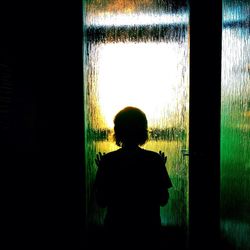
{"x": 41, "y": 133}
{"x": 41, "y": 123}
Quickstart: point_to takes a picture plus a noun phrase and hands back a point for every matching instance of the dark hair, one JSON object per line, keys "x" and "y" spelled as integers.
{"x": 131, "y": 127}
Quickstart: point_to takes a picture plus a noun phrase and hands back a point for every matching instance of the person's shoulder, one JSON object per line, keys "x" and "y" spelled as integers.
{"x": 149, "y": 152}
{"x": 152, "y": 154}
{"x": 111, "y": 155}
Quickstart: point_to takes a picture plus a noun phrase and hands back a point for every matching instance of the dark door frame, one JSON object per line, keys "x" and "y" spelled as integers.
{"x": 204, "y": 137}
{"x": 41, "y": 47}
{"x": 204, "y": 131}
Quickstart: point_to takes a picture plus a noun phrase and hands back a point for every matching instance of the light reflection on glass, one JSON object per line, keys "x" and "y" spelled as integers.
{"x": 235, "y": 124}
{"x": 147, "y": 67}
{"x": 134, "y": 19}
{"x": 145, "y": 75}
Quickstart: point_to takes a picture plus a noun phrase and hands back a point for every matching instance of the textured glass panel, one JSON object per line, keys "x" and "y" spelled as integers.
{"x": 136, "y": 54}
{"x": 235, "y": 124}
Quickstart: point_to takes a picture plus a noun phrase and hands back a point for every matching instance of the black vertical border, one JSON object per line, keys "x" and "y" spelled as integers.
{"x": 205, "y": 100}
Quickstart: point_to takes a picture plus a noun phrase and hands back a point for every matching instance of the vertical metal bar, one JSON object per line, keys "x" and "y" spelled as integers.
{"x": 205, "y": 93}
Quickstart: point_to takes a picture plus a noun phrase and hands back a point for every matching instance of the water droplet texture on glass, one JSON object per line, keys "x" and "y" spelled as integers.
{"x": 136, "y": 54}
{"x": 235, "y": 124}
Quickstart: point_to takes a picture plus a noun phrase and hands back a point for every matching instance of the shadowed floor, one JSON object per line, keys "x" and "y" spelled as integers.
{"x": 171, "y": 238}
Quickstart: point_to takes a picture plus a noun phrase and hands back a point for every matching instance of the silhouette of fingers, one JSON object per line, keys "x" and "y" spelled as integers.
{"x": 99, "y": 158}
{"x": 162, "y": 154}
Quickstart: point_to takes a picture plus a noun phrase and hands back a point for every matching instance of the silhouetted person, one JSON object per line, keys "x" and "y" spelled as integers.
{"x": 132, "y": 183}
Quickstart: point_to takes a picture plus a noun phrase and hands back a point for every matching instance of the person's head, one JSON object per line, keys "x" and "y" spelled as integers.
{"x": 131, "y": 127}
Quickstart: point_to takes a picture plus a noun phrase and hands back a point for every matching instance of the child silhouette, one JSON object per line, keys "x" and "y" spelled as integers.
{"x": 132, "y": 183}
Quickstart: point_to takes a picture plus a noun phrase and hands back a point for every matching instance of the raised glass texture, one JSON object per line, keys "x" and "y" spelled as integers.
{"x": 235, "y": 124}
{"x": 136, "y": 54}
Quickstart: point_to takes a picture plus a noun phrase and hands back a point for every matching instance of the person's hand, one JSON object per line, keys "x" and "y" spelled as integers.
{"x": 164, "y": 158}
{"x": 99, "y": 158}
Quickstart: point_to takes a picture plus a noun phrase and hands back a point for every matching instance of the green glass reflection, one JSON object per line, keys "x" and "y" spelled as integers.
{"x": 142, "y": 63}
{"x": 235, "y": 125}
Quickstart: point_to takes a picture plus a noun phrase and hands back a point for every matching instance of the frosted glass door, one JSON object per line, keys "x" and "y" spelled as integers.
{"x": 235, "y": 124}
{"x": 136, "y": 54}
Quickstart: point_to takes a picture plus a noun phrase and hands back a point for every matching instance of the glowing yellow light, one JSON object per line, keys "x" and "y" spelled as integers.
{"x": 145, "y": 75}
{"x": 114, "y": 6}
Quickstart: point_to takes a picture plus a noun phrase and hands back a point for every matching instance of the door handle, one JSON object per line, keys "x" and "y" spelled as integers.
{"x": 185, "y": 152}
